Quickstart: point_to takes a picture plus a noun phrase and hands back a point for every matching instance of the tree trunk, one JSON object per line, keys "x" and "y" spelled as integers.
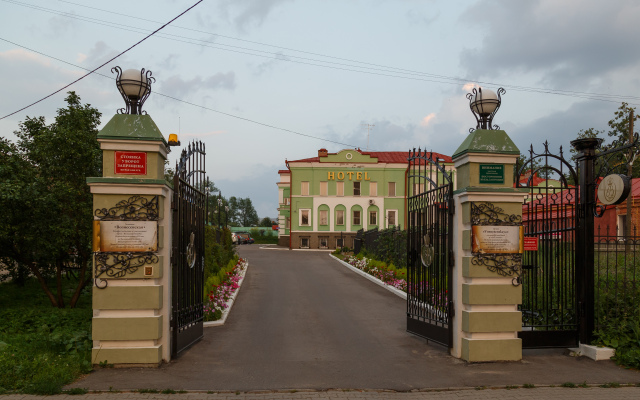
{"x": 43, "y": 283}
{"x": 81, "y": 281}
{"x": 59, "y": 283}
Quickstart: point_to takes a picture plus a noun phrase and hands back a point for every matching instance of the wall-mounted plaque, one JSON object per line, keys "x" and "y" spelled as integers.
{"x": 492, "y": 173}
{"x": 614, "y": 189}
{"x": 496, "y": 239}
{"x": 130, "y": 162}
{"x": 128, "y": 236}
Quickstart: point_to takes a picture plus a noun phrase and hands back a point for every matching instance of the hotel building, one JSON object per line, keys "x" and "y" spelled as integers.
{"x": 325, "y": 200}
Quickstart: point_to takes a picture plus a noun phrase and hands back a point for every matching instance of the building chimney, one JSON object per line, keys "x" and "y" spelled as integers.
{"x": 322, "y": 153}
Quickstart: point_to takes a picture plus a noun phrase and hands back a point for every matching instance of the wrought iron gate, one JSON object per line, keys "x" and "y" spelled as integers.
{"x": 550, "y": 215}
{"x": 187, "y": 255}
{"x": 429, "y": 249}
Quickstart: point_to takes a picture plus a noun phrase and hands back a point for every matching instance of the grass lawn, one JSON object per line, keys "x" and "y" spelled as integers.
{"x": 42, "y": 348}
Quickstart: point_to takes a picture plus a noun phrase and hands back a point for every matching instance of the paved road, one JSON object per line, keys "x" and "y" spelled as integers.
{"x": 304, "y": 321}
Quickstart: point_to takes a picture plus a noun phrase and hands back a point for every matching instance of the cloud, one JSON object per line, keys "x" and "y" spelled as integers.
{"x": 169, "y": 62}
{"x": 249, "y": 12}
{"x": 427, "y": 120}
{"x": 570, "y": 43}
{"x": 419, "y": 18}
{"x": 177, "y": 87}
{"x": 260, "y": 186}
{"x": 62, "y": 24}
{"x": 270, "y": 64}
{"x": 204, "y": 134}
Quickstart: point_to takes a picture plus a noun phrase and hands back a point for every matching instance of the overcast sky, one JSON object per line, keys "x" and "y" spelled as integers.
{"x": 325, "y": 68}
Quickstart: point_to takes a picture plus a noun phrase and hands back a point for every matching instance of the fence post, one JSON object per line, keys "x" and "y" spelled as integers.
{"x": 585, "y": 232}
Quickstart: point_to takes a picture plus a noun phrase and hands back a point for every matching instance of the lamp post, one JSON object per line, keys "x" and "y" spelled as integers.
{"x": 226, "y": 216}
{"x": 135, "y": 88}
{"x": 484, "y": 104}
{"x": 219, "y": 205}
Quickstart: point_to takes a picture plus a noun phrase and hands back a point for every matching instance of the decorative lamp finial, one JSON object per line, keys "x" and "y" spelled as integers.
{"x": 484, "y": 104}
{"x": 135, "y": 88}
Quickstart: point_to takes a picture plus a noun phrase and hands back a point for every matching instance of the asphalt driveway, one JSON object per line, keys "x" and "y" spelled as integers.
{"x": 304, "y": 321}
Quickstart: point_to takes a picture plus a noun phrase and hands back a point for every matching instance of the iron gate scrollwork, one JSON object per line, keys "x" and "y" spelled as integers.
{"x": 550, "y": 213}
{"x": 429, "y": 248}
{"x": 187, "y": 257}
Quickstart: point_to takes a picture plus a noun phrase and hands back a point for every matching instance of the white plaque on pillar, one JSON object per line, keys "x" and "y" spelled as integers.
{"x": 496, "y": 239}
{"x": 128, "y": 236}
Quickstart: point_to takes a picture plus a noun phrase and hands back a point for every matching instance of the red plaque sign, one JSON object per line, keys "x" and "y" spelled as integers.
{"x": 131, "y": 162}
{"x": 531, "y": 243}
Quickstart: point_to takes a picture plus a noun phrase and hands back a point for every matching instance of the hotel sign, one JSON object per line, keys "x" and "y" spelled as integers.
{"x": 332, "y": 175}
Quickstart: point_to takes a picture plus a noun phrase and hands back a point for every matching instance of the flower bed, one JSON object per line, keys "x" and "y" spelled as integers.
{"x": 222, "y": 295}
{"x": 388, "y": 275}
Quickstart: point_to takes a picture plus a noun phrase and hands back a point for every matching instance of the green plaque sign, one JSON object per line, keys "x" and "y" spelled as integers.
{"x": 492, "y": 173}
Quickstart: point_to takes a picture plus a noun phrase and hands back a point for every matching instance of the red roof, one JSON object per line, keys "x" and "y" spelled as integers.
{"x": 396, "y": 157}
{"x": 284, "y": 171}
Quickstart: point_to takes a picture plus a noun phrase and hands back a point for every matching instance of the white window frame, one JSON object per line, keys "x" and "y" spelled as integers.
{"x": 308, "y": 212}
{"x": 340, "y": 189}
{"x": 395, "y": 217}
{"x": 359, "y": 185}
{"x": 392, "y": 193}
{"x": 339, "y": 213}
{"x": 304, "y": 188}
{"x": 326, "y": 241}
{"x": 373, "y": 214}
{"x": 373, "y": 189}
{"x": 302, "y": 240}
{"x": 323, "y": 214}
{"x": 324, "y": 188}
{"x": 353, "y": 217}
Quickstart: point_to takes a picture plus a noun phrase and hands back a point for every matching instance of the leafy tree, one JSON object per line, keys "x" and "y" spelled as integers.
{"x": 619, "y": 131}
{"x": 266, "y": 222}
{"x": 247, "y": 214}
{"x": 47, "y": 206}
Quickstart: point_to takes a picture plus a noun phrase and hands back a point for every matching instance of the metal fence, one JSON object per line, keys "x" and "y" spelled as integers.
{"x": 388, "y": 245}
{"x": 617, "y": 276}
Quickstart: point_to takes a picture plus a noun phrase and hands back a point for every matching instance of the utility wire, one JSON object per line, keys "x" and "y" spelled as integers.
{"x": 391, "y": 70}
{"x": 187, "y": 102}
{"x": 97, "y": 68}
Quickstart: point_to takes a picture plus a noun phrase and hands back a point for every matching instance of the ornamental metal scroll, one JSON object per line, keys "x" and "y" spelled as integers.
{"x": 135, "y": 208}
{"x": 490, "y": 214}
{"x": 504, "y": 264}
{"x": 117, "y": 265}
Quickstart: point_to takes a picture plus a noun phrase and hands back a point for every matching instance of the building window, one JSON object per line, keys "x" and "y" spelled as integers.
{"x": 391, "y": 217}
{"x": 339, "y": 217}
{"x": 288, "y": 223}
{"x": 324, "y": 188}
{"x": 339, "y": 243}
{"x": 339, "y": 188}
{"x": 324, "y": 217}
{"x": 356, "y": 188}
{"x": 373, "y": 218}
{"x": 356, "y": 217}
{"x": 373, "y": 189}
{"x": 286, "y": 201}
{"x": 324, "y": 242}
{"x": 305, "y": 219}
{"x": 392, "y": 189}
{"x": 304, "y": 188}
{"x": 304, "y": 242}
{"x": 418, "y": 188}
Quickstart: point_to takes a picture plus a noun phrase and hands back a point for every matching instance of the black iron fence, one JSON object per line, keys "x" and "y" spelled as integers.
{"x": 617, "y": 276}
{"x": 388, "y": 245}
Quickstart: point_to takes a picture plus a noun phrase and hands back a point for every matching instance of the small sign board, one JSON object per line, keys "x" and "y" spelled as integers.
{"x": 130, "y": 163}
{"x": 128, "y": 236}
{"x": 614, "y": 189}
{"x": 492, "y": 173}
{"x": 531, "y": 243}
{"x": 496, "y": 239}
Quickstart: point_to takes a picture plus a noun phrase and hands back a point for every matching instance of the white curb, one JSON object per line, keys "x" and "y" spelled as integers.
{"x": 373, "y": 279}
{"x": 226, "y": 311}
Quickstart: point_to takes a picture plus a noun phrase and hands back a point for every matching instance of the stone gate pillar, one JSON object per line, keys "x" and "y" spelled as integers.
{"x": 488, "y": 214}
{"x": 132, "y": 230}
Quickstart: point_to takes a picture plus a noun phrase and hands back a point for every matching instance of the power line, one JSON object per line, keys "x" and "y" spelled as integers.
{"x": 186, "y": 102}
{"x": 97, "y": 68}
{"x": 391, "y": 70}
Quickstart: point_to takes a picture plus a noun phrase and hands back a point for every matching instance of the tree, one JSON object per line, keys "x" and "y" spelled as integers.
{"x": 266, "y": 222}
{"x": 624, "y": 119}
{"x": 47, "y": 205}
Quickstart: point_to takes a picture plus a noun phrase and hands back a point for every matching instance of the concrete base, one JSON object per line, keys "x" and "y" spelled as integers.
{"x": 593, "y": 352}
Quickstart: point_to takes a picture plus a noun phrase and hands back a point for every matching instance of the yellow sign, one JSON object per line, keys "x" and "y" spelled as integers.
{"x": 331, "y": 176}
{"x": 496, "y": 239}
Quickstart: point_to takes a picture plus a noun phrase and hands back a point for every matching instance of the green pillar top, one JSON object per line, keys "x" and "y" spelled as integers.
{"x": 131, "y": 127}
{"x": 487, "y": 141}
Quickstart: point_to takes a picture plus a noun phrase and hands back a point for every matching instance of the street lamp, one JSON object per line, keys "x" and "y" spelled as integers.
{"x": 484, "y": 104}
{"x": 219, "y": 205}
{"x": 226, "y": 216}
{"x": 135, "y": 88}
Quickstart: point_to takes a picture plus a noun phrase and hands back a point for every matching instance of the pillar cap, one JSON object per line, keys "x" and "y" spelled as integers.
{"x": 131, "y": 127}
{"x": 487, "y": 141}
